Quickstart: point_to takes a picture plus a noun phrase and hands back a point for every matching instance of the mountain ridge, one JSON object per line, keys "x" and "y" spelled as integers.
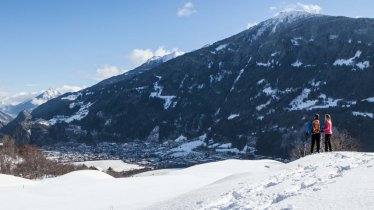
{"x": 255, "y": 90}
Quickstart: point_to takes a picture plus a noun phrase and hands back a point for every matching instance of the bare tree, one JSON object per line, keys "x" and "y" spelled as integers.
{"x": 340, "y": 140}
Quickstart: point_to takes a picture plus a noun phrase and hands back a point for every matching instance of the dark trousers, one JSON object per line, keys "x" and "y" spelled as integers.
{"x": 316, "y": 138}
{"x": 328, "y": 143}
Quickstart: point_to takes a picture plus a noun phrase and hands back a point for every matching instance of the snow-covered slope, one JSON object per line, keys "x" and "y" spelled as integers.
{"x": 340, "y": 180}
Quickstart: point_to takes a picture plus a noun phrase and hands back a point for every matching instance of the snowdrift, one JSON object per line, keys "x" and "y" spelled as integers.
{"x": 339, "y": 180}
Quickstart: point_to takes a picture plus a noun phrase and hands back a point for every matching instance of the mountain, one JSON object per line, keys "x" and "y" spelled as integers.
{"x": 150, "y": 64}
{"x": 252, "y": 92}
{"x": 32, "y": 103}
{"x": 4, "y": 118}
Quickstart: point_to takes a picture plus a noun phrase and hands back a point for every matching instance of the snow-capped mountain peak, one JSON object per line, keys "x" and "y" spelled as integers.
{"x": 167, "y": 57}
{"x": 46, "y": 96}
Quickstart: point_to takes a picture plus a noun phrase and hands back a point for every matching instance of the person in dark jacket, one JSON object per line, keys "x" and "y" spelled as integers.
{"x": 316, "y": 133}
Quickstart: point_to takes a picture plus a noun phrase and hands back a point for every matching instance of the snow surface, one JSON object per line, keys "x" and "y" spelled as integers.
{"x": 371, "y": 100}
{"x": 301, "y": 102}
{"x": 221, "y": 47}
{"x": 233, "y": 116}
{"x": 188, "y": 147}
{"x": 337, "y": 180}
{"x": 79, "y": 115}
{"x": 323, "y": 181}
{"x": 116, "y": 165}
{"x": 363, "y": 114}
{"x": 268, "y": 64}
{"x": 46, "y": 96}
{"x": 71, "y": 97}
{"x": 175, "y": 53}
{"x": 157, "y": 94}
{"x": 297, "y": 64}
{"x": 351, "y": 62}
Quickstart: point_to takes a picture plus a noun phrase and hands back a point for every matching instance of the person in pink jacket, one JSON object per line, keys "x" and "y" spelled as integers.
{"x": 327, "y": 129}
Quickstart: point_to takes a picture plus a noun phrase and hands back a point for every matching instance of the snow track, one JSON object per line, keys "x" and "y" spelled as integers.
{"x": 273, "y": 192}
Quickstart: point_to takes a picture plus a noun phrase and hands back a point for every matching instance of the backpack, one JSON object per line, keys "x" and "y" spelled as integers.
{"x": 315, "y": 126}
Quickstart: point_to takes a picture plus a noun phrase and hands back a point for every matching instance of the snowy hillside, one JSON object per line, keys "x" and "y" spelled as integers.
{"x": 325, "y": 181}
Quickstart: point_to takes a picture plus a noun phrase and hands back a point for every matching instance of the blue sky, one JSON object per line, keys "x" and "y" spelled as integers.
{"x": 54, "y": 43}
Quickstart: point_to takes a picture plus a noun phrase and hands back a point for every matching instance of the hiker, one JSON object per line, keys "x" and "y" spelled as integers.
{"x": 316, "y": 135}
{"x": 327, "y": 129}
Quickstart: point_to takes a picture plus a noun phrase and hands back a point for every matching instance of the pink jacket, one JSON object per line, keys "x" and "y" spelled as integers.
{"x": 327, "y": 129}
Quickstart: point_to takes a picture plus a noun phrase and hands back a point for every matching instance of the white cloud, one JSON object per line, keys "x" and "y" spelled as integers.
{"x": 187, "y": 10}
{"x": 311, "y": 8}
{"x": 14, "y": 99}
{"x": 106, "y": 72}
{"x": 140, "y": 56}
{"x": 251, "y": 24}
{"x": 69, "y": 88}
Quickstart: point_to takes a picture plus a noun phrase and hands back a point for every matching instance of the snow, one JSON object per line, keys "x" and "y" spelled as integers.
{"x": 260, "y": 117}
{"x": 323, "y": 181}
{"x": 260, "y": 81}
{"x": 157, "y": 94}
{"x": 221, "y": 47}
{"x": 351, "y": 62}
{"x": 186, "y": 148}
{"x": 175, "y": 53}
{"x": 232, "y": 150}
{"x": 236, "y": 80}
{"x": 226, "y": 148}
{"x": 116, "y": 165}
{"x": 71, "y": 97}
{"x": 79, "y": 115}
{"x": 347, "y": 62}
{"x": 268, "y": 64}
{"x": 270, "y": 92}
{"x": 233, "y": 116}
{"x": 262, "y": 106}
{"x": 46, "y": 96}
{"x": 371, "y": 99}
{"x": 319, "y": 181}
{"x": 363, "y": 114}
{"x": 283, "y": 18}
{"x": 300, "y": 102}
{"x": 363, "y": 65}
{"x": 297, "y": 64}
{"x": 274, "y": 54}
{"x": 181, "y": 138}
{"x": 8, "y": 180}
